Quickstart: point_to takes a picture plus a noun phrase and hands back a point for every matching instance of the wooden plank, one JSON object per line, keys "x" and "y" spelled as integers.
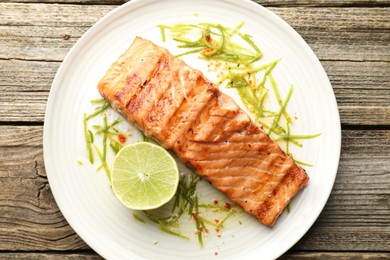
{"x": 79, "y": 2}
{"x": 335, "y": 255}
{"x": 44, "y": 32}
{"x": 365, "y": 115}
{"x": 324, "y": 3}
{"x": 15, "y": 14}
{"x": 47, "y": 31}
{"x": 26, "y": 136}
{"x": 358, "y": 34}
{"x": 356, "y": 217}
{"x": 312, "y": 3}
{"x": 50, "y": 256}
{"x": 359, "y": 83}
{"x": 290, "y": 255}
{"x": 358, "y": 209}
{"x": 26, "y": 76}
{"x": 362, "y": 91}
{"x": 29, "y": 216}
{"x": 25, "y": 87}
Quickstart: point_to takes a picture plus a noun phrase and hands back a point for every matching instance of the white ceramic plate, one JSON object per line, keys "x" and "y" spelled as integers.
{"x": 84, "y": 196}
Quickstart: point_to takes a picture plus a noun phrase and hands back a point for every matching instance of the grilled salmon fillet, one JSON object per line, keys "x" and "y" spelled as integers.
{"x": 183, "y": 111}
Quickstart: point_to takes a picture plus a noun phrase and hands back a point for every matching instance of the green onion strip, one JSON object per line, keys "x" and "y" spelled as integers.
{"x": 108, "y": 130}
{"x": 88, "y": 139}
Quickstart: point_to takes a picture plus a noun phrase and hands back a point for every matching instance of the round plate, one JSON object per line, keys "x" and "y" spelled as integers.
{"x": 84, "y": 195}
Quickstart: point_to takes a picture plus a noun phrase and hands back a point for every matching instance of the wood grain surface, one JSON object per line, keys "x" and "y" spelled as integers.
{"x": 352, "y": 41}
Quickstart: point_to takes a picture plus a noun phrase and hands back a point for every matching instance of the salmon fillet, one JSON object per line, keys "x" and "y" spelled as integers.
{"x": 184, "y": 112}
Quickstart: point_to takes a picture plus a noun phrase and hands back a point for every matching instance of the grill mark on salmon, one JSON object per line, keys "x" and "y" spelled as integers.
{"x": 156, "y": 92}
{"x": 214, "y": 154}
{"x": 183, "y": 111}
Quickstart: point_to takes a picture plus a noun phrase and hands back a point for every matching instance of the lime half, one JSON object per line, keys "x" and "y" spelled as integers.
{"x": 144, "y": 176}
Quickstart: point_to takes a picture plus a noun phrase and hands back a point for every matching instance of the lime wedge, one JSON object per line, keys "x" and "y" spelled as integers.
{"x": 144, "y": 176}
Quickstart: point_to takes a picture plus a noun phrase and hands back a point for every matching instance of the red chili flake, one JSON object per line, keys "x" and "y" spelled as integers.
{"x": 227, "y": 205}
{"x": 121, "y": 138}
{"x": 208, "y": 49}
{"x": 215, "y": 202}
{"x": 201, "y": 229}
{"x": 195, "y": 216}
{"x": 208, "y": 37}
{"x": 216, "y": 221}
{"x": 215, "y": 253}
{"x": 218, "y": 232}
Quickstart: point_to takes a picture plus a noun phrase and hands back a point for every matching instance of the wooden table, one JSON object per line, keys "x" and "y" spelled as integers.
{"x": 352, "y": 40}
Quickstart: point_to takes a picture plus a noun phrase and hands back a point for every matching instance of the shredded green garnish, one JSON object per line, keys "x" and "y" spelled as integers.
{"x": 186, "y": 203}
{"x": 88, "y": 139}
{"x": 170, "y": 230}
{"x": 183, "y": 204}
{"x": 80, "y": 162}
{"x": 198, "y": 222}
{"x": 220, "y": 224}
{"x": 98, "y": 111}
{"x": 115, "y": 145}
{"x": 108, "y": 131}
{"x": 213, "y": 42}
{"x": 282, "y": 110}
{"x": 138, "y": 218}
{"x": 303, "y": 163}
{"x": 168, "y": 224}
{"x": 145, "y": 138}
{"x": 103, "y": 161}
{"x": 238, "y": 56}
{"x": 98, "y": 101}
{"x": 278, "y": 98}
